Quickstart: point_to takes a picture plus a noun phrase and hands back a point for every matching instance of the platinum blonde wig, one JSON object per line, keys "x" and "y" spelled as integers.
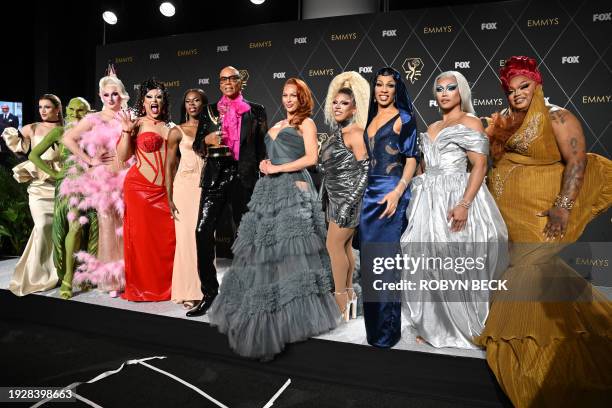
{"x": 464, "y": 90}
{"x": 113, "y": 80}
{"x": 361, "y": 94}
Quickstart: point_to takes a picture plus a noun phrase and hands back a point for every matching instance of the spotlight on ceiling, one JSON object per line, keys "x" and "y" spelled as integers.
{"x": 167, "y": 9}
{"x": 258, "y": 2}
{"x": 109, "y": 17}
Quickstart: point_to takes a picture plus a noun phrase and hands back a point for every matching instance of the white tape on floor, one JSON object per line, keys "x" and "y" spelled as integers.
{"x": 278, "y": 393}
{"x": 142, "y": 362}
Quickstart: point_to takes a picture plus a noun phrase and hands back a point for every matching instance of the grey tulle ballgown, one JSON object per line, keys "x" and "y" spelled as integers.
{"x": 451, "y": 318}
{"x": 278, "y": 289}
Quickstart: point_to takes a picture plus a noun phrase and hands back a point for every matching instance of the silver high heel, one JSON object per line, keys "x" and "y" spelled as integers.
{"x": 352, "y": 299}
{"x": 347, "y": 307}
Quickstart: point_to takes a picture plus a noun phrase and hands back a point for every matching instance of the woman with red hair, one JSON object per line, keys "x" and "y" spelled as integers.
{"x": 278, "y": 289}
{"x": 548, "y": 337}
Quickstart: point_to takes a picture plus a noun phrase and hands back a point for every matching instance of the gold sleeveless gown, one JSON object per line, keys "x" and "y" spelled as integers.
{"x": 549, "y": 342}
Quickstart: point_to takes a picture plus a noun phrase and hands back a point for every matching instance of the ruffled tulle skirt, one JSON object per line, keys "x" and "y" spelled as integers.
{"x": 277, "y": 290}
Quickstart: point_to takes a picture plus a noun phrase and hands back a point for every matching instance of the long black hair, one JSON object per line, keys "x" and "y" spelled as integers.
{"x": 402, "y": 100}
{"x": 145, "y": 87}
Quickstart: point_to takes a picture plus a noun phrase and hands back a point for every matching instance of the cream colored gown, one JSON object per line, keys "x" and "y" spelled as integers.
{"x": 35, "y": 270}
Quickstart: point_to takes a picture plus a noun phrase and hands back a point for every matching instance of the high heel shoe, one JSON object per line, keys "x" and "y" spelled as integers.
{"x": 344, "y": 312}
{"x": 352, "y": 299}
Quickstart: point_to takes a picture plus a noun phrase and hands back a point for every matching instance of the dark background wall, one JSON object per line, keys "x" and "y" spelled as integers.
{"x": 49, "y": 46}
{"x": 53, "y": 49}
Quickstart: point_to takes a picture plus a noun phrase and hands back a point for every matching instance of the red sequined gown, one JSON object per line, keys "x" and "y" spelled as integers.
{"x": 149, "y": 239}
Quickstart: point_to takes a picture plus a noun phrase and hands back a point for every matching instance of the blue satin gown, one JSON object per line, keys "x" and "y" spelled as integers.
{"x": 380, "y": 237}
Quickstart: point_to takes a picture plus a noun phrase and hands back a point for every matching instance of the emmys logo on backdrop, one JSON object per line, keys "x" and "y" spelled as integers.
{"x": 203, "y": 81}
{"x": 222, "y": 48}
{"x": 438, "y": 29}
{"x": 602, "y": 17}
{"x": 279, "y": 75}
{"x": 154, "y": 56}
{"x": 321, "y": 72}
{"x": 344, "y": 36}
{"x": 389, "y": 33}
{"x": 488, "y": 26}
{"x": 475, "y": 101}
{"x": 365, "y": 70}
{"x": 124, "y": 60}
{"x": 570, "y": 60}
{"x": 488, "y": 101}
{"x": 172, "y": 84}
{"x": 187, "y": 53}
{"x": 589, "y": 99}
{"x": 244, "y": 77}
{"x": 300, "y": 40}
{"x": 413, "y": 67}
{"x": 543, "y": 22}
{"x": 596, "y": 262}
{"x": 462, "y": 64}
{"x": 260, "y": 44}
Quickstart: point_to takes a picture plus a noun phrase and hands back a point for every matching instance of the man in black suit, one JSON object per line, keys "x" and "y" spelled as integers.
{"x": 7, "y": 119}
{"x": 230, "y": 175}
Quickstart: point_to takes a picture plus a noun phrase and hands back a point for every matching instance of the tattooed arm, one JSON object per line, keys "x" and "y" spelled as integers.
{"x": 571, "y": 143}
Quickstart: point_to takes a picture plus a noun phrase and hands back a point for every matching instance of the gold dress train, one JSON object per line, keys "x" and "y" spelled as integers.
{"x": 548, "y": 341}
{"x": 35, "y": 270}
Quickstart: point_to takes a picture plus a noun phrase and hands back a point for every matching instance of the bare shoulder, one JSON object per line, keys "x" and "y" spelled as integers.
{"x": 175, "y": 133}
{"x": 559, "y": 115}
{"x": 472, "y": 122}
{"x": 27, "y": 130}
{"x": 308, "y": 125}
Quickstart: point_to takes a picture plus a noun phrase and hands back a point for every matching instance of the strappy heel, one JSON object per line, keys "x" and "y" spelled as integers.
{"x": 352, "y": 299}
{"x": 344, "y": 312}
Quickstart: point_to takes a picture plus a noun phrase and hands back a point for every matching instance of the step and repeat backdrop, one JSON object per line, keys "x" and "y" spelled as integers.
{"x": 570, "y": 39}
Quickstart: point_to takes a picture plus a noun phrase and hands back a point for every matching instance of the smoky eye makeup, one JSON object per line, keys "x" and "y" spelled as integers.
{"x": 448, "y": 88}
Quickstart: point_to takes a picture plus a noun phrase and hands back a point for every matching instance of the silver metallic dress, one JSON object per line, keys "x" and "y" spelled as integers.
{"x": 344, "y": 181}
{"x": 451, "y": 316}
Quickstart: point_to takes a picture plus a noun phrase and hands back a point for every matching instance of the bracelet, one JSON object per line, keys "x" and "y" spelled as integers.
{"x": 463, "y": 203}
{"x": 563, "y": 201}
{"x": 126, "y": 131}
{"x": 404, "y": 181}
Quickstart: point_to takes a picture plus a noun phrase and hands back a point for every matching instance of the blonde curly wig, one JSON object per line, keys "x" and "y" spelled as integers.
{"x": 361, "y": 92}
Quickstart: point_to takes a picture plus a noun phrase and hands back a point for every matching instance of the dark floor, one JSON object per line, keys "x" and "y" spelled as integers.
{"x": 37, "y": 355}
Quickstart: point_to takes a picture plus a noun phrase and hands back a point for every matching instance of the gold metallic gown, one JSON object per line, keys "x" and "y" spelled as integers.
{"x": 35, "y": 270}
{"x": 549, "y": 341}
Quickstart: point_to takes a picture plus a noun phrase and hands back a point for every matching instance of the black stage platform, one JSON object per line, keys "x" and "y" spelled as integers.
{"x": 416, "y": 376}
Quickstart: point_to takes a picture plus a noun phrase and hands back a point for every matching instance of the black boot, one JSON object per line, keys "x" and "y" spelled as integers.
{"x": 202, "y": 307}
